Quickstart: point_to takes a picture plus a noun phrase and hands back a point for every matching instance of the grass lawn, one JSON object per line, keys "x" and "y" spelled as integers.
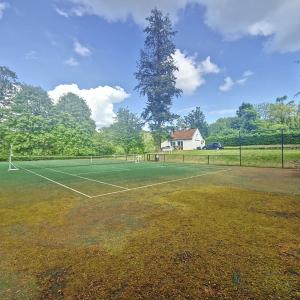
{"x": 224, "y": 233}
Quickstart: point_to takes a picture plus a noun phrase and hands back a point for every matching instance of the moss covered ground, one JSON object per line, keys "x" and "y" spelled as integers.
{"x": 226, "y": 235}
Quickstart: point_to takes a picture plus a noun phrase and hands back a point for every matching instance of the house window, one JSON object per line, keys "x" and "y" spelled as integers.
{"x": 180, "y": 144}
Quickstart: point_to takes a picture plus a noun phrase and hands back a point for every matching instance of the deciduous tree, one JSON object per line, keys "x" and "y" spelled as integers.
{"x": 32, "y": 100}
{"x": 8, "y": 85}
{"x": 196, "y": 119}
{"x": 78, "y": 109}
{"x": 127, "y": 131}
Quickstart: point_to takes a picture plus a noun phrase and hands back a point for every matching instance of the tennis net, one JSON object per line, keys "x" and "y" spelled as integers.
{"x": 39, "y": 162}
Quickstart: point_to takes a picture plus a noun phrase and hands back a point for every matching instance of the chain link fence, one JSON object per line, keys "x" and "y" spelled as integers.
{"x": 264, "y": 148}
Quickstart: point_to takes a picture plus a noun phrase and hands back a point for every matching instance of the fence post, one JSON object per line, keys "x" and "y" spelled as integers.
{"x": 240, "y": 142}
{"x": 208, "y": 159}
{"x": 282, "y": 162}
{"x": 182, "y": 157}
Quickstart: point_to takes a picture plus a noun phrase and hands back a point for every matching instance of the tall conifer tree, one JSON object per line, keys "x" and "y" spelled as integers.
{"x": 155, "y": 74}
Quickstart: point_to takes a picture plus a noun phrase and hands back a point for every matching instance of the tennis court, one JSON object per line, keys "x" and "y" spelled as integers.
{"x": 94, "y": 177}
{"x": 119, "y": 227}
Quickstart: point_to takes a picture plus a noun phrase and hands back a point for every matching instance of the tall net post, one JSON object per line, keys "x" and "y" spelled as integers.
{"x": 11, "y": 166}
{"x": 240, "y": 147}
{"x": 282, "y": 145}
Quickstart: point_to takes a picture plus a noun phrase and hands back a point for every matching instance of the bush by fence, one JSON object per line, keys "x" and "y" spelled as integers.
{"x": 258, "y": 138}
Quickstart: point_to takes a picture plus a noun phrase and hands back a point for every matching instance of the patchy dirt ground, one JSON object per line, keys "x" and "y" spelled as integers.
{"x": 223, "y": 236}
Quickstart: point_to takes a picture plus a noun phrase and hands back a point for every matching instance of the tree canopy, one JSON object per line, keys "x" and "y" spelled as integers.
{"x": 127, "y": 131}
{"x": 155, "y": 73}
{"x": 32, "y": 100}
{"x": 77, "y": 108}
{"x": 8, "y": 85}
{"x": 195, "y": 119}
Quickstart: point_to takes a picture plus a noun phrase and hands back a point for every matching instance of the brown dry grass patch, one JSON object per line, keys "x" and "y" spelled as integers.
{"x": 195, "y": 242}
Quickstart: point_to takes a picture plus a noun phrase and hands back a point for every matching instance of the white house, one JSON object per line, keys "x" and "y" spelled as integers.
{"x": 189, "y": 139}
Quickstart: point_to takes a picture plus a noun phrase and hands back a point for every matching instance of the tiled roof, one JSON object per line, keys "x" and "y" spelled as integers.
{"x": 183, "y": 134}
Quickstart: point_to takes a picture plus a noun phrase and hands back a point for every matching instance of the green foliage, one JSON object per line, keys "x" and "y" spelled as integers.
{"x": 30, "y": 135}
{"x": 103, "y": 143}
{"x": 283, "y": 111}
{"x": 34, "y": 126}
{"x": 247, "y": 117}
{"x": 283, "y": 114}
{"x": 32, "y": 100}
{"x": 8, "y": 85}
{"x": 195, "y": 119}
{"x": 269, "y": 137}
{"x": 127, "y": 131}
{"x": 223, "y": 126}
{"x": 78, "y": 109}
{"x": 155, "y": 74}
{"x": 70, "y": 141}
{"x": 148, "y": 141}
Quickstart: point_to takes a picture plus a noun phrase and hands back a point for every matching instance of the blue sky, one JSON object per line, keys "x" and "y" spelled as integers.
{"x": 227, "y": 51}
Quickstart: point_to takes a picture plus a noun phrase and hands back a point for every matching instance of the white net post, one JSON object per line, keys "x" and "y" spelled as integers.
{"x": 137, "y": 159}
{"x": 11, "y": 166}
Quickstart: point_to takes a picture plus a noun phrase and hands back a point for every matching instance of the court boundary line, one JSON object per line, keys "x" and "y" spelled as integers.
{"x": 159, "y": 183}
{"x": 56, "y": 182}
{"x": 90, "y": 179}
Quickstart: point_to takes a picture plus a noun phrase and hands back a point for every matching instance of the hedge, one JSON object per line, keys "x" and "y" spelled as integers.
{"x": 257, "y": 138}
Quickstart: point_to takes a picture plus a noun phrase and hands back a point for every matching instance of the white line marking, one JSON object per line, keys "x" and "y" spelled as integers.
{"x": 159, "y": 183}
{"x": 65, "y": 186}
{"x": 102, "y": 182}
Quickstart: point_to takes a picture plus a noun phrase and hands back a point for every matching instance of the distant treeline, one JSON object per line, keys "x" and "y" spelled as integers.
{"x": 34, "y": 125}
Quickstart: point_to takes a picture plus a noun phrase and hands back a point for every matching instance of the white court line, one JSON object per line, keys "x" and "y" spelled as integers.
{"x": 65, "y": 186}
{"x": 102, "y": 182}
{"x": 159, "y": 183}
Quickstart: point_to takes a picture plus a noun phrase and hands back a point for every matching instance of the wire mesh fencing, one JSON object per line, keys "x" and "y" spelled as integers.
{"x": 264, "y": 148}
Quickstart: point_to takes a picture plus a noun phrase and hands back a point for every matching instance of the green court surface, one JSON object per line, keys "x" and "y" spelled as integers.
{"x": 106, "y": 176}
{"x": 116, "y": 229}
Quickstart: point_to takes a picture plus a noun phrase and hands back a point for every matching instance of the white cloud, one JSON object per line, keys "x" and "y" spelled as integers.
{"x": 207, "y": 67}
{"x": 242, "y": 81}
{"x": 71, "y": 62}
{"x": 248, "y": 73}
{"x": 3, "y": 6}
{"x": 62, "y": 12}
{"x": 227, "y": 85}
{"x": 31, "y": 55}
{"x": 277, "y": 20}
{"x": 120, "y": 10}
{"x": 100, "y": 100}
{"x": 261, "y": 28}
{"x": 81, "y": 50}
{"x": 190, "y": 73}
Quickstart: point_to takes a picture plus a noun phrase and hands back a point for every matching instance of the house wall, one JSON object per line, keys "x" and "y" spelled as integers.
{"x": 197, "y": 141}
{"x": 191, "y": 145}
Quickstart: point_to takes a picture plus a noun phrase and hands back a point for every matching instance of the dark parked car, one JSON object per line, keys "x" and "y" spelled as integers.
{"x": 214, "y": 146}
